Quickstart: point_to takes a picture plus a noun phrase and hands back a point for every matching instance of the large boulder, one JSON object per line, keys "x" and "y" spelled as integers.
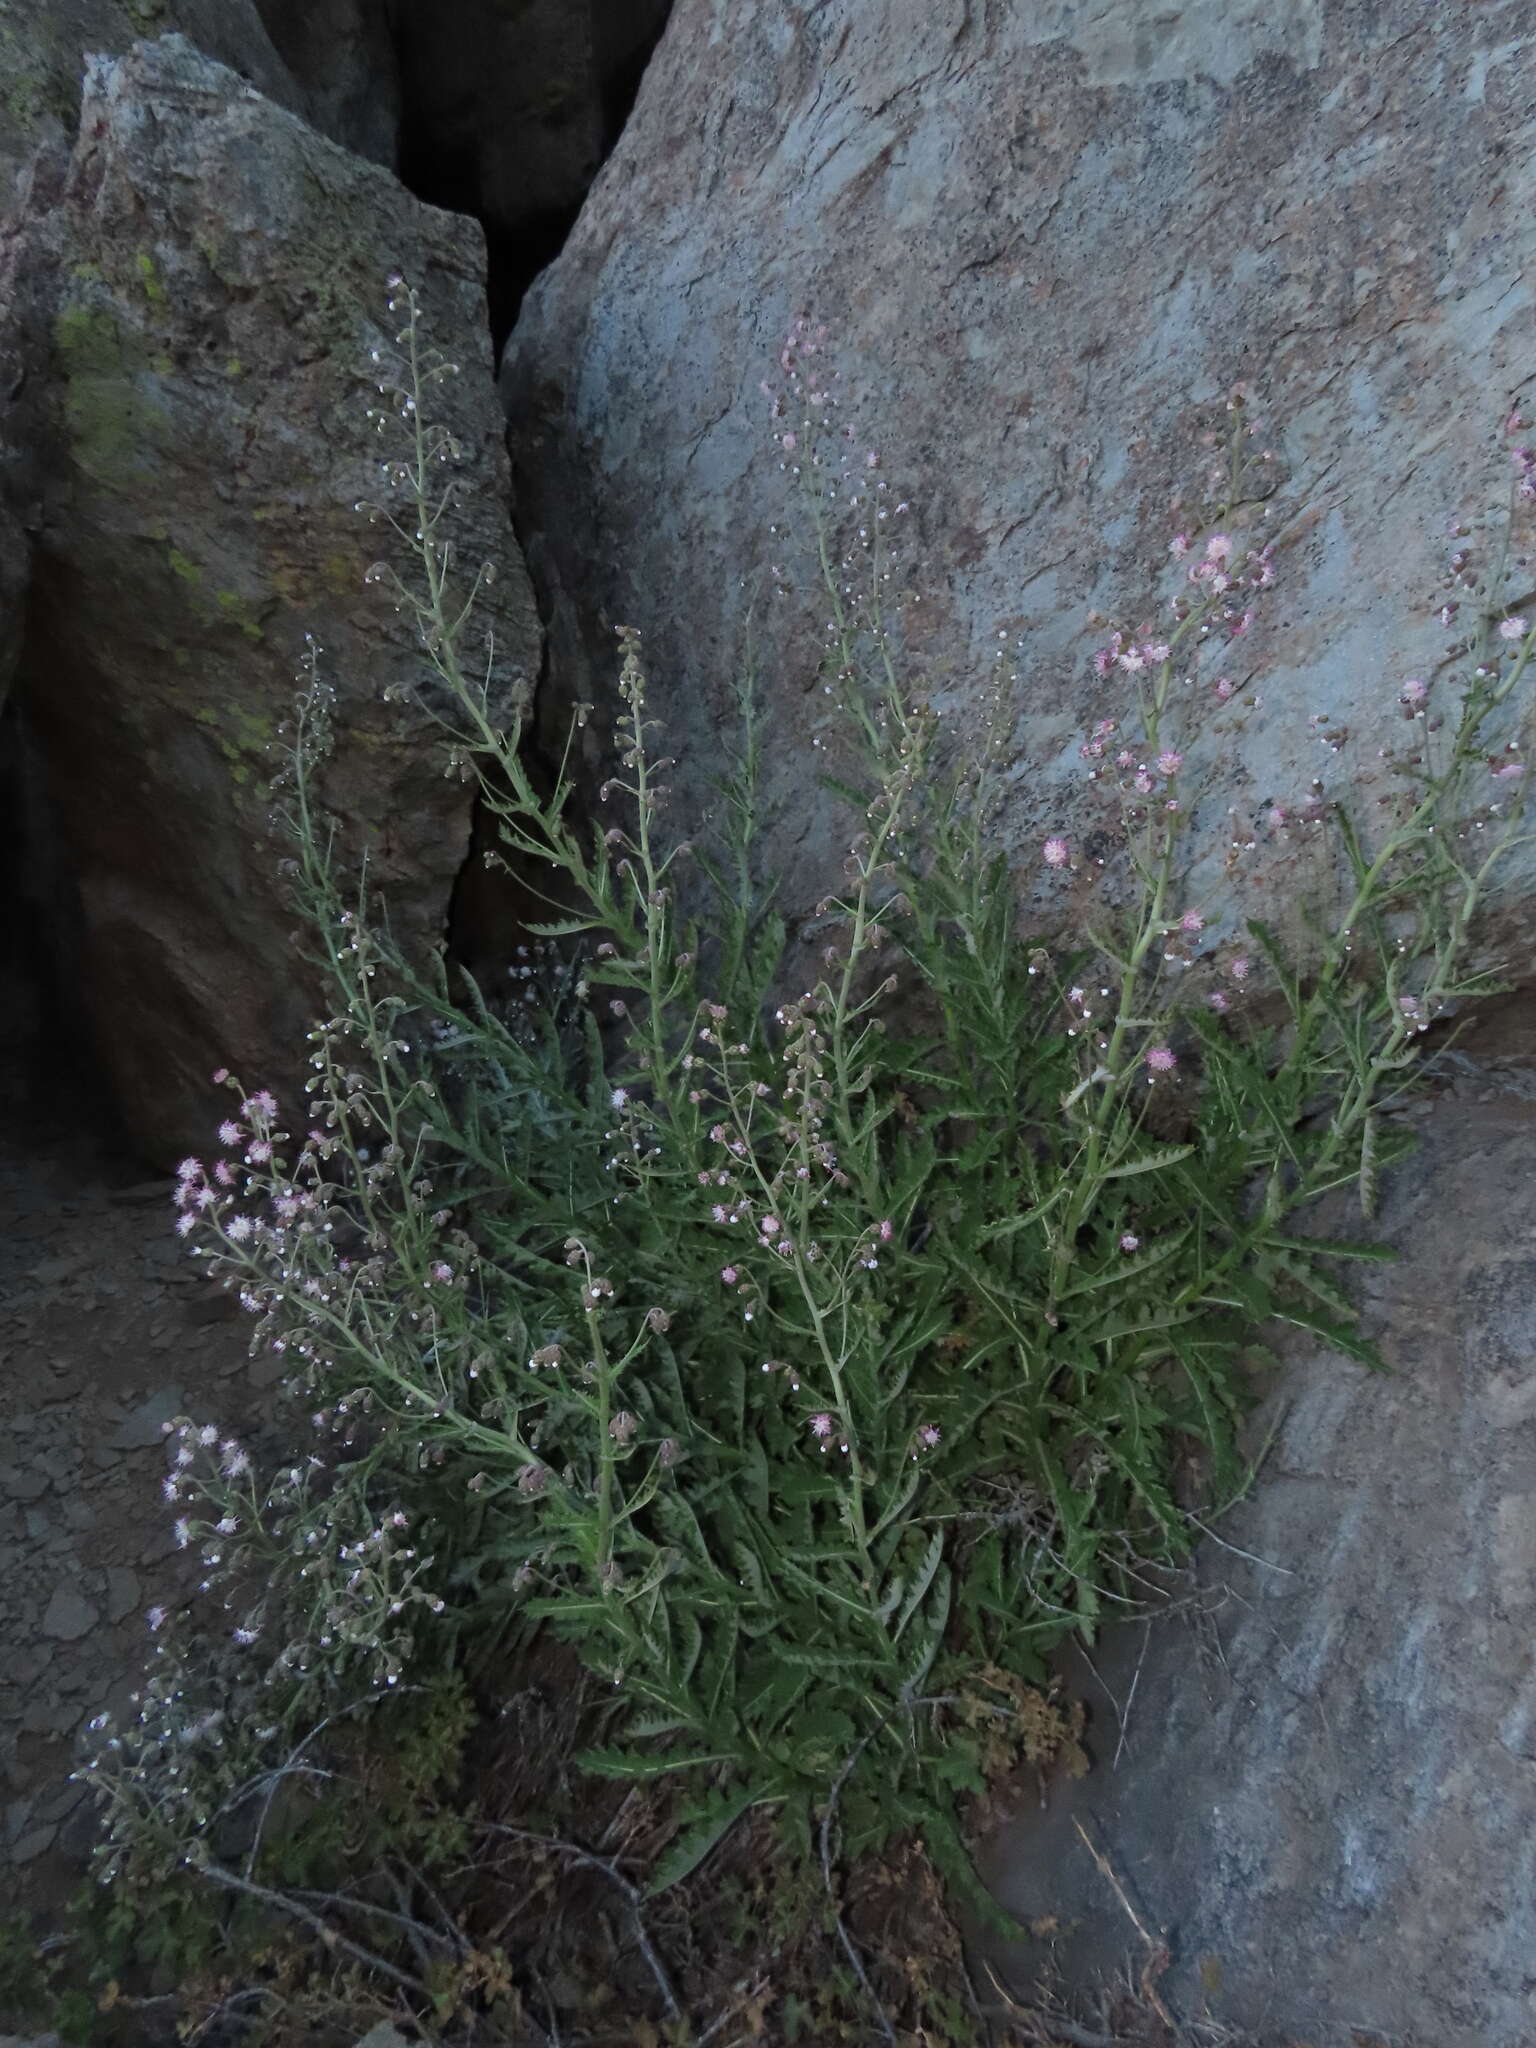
{"x": 1045, "y": 240}
{"x": 205, "y": 293}
{"x": 1316, "y": 1778}
{"x": 43, "y": 50}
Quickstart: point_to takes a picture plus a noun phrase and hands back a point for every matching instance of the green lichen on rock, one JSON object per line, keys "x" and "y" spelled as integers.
{"x": 108, "y": 410}
{"x": 149, "y": 277}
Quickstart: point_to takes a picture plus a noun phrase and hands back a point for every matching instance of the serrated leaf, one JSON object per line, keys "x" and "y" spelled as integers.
{"x": 1368, "y": 1167}
{"x": 1129, "y": 1268}
{"x": 932, "y": 1558}
{"x": 1338, "y": 1248}
{"x": 1149, "y": 1162}
{"x": 697, "y": 1842}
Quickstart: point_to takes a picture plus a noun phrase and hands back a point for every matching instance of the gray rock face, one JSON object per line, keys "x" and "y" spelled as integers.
{"x": 1045, "y": 240}
{"x": 1325, "y": 1791}
{"x": 43, "y": 51}
{"x": 202, "y": 301}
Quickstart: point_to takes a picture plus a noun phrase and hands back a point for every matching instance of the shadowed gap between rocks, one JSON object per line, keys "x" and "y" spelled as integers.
{"x": 504, "y": 114}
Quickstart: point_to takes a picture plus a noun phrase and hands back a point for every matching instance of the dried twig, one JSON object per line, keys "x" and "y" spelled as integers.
{"x": 615, "y": 1876}
{"x": 331, "y": 1936}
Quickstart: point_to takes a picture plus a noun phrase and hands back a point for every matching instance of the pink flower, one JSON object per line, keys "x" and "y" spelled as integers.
{"x": 929, "y": 1435}
{"x": 1278, "y": 816}
{"x": 886, "y": 1231}
{"x": 1130, "y": 1242}
{"x": 263, "y": 1103}
{"x": 1056, "y": 853}
{"x": 1238, "y": 968}
{"x": 1512, "y": 629}
{"x": 770, "y": 1226}
{"x": 190, "y": 1169}
{"x": 1192, "y": 922}
{"x": 1218, "y": 548}
{"x": 220, "y": 1076}
{"x": 240, "y": 1228}
{"x": 1509, "y": 771}
{"x": 441, "y": 1270}
{"x": 821, "y": 1425}
{"x": 230, "y": 1133}
{"x": 1162, "y": 1059}
{"x": 1169, "y": 762}
{"x": 185, "y": 1222}
{"x": 1217, "y": 1000}
{"x": 1413, "y": 691}
{"x": 1224, "y": 687}
{"x": 1143, "y": 782}
{"x": 729, "y": 1275}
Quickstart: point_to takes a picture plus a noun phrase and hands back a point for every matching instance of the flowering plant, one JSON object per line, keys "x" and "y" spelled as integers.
{"x": 813, "y": 1364}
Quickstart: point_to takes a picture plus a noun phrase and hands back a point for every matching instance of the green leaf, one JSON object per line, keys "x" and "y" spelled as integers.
{"x": 697, "y": 1842}
{"x": 1149, "y": 1162}
{"x": 629, "y": 1763}
{"x": 932, "y": 1558}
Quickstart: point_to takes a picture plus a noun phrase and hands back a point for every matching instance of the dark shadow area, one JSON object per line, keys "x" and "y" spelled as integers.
{"x": 53, "y": 1087}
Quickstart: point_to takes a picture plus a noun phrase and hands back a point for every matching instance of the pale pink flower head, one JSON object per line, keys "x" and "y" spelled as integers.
{"x": 1169, "y": 762}
{"x": 1509, "y": 771}
{"x": 886, "y": 1229}
{"x": 239, "y": 1228}
{"x": 1162, "y": 1059}
{"x": 1217, "y": 1000}
{"x": 1191, "y": 923}
{"x": 1414, "y": 691}
{"x": 729, "y": 1275}
{"x": 262, "y": 1103}
{"x": 1225, "y": 688}
{"x": 1129, "y": 1241}
{"x": 230, "y": 1133}
{"x": 1056, "y": 852}
{"x": 928, "y": 1436}
{"x": 1238, "y": 968}
{"x": 1513, "y": 629}
{"x": 190, "y": 1169}
{"x": 441, "y": 1270}
{"x": 821, "y": 1425}
{"x": 1218, "y": 548}
{"x": 770, "y": 1226}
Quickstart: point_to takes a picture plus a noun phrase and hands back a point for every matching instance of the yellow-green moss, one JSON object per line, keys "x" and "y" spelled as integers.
{"x": 149, "y": 277}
